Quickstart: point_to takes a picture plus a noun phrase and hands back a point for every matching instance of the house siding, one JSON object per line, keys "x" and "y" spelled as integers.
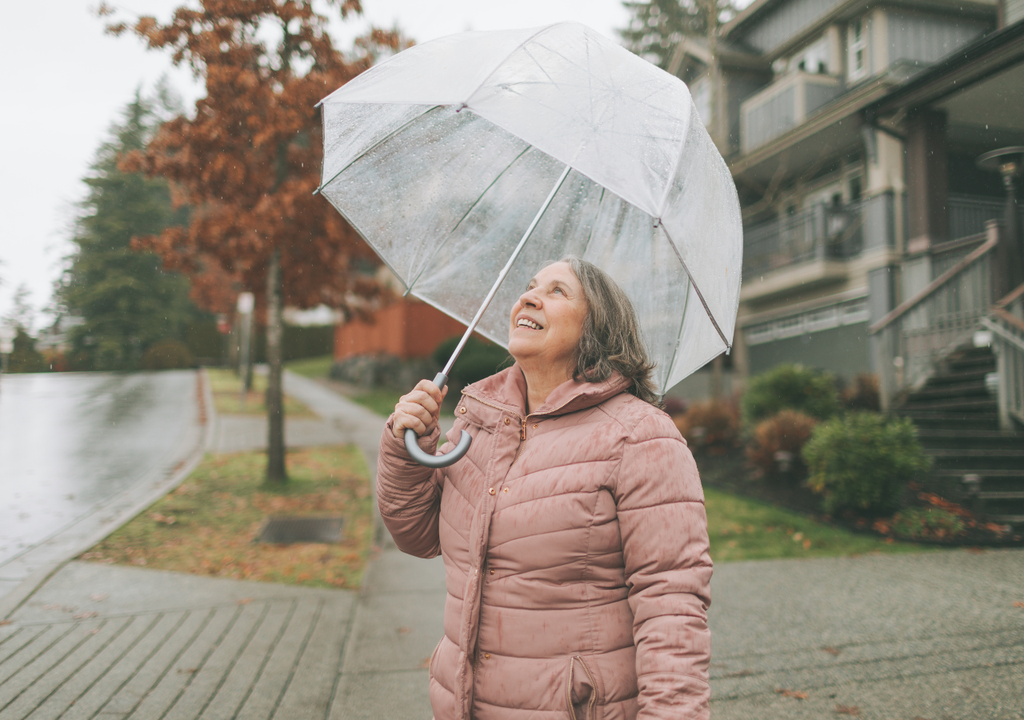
{"x": 842, "y": 350}
{"x": 785, "y": 21}
{"x": 927, "y": 39}
{"x": 1013, "y": 11}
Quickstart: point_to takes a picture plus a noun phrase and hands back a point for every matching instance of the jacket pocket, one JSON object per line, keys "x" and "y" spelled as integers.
{"x": 581, "y": 690}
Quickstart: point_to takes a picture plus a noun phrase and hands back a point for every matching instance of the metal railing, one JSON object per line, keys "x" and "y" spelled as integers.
{"x": 967, "y": 214}
{"x": 820, "y": 232}
{"x": 1006, "y": 323}
{"x": 925, "y": 328}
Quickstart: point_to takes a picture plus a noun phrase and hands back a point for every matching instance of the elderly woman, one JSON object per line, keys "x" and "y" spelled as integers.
{"x": 573, "y": 533}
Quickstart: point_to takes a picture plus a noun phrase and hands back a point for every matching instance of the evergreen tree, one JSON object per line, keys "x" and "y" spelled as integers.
{"x": 25, "y": 358}
{"x": 656, "y": 26}
{"x": 127, "y": 301}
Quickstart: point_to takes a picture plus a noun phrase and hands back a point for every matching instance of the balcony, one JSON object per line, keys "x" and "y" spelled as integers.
{"x": 783, "y": 105}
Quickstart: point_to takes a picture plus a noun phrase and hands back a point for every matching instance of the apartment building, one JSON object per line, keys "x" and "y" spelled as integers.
{"x": 853, "y": 202}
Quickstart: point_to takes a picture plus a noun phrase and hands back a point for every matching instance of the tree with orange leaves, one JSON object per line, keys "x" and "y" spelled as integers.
{"x": 248, "y": 162}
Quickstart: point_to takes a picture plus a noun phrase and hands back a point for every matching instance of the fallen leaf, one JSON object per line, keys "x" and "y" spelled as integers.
{"x": 187, "y": 671}
{"x": 847, "y": 710}
{"x": 741, "y": 673}
{"x": 975, "y": 550}
{"x": 785, "y": 692}
{"x": 244, "y": 601}
{"x": 807, "y": 544}
{"x": 403, "y": 630}
{"x": 98, "y": 597}
{"x": 831, "y": 650}
{"x": 798, "y": 536}
{"x": 85, "y": 615}
{"x": 425, "y": 663}
{"x": 1019, "y": 604}
{"x": 4, "y": 622}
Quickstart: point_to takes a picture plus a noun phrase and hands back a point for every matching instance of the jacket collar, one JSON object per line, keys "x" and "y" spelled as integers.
{"x": 507, "y": 390}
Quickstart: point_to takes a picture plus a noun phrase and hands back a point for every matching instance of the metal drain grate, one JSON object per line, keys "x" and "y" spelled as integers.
{"x": 284, "y": 530}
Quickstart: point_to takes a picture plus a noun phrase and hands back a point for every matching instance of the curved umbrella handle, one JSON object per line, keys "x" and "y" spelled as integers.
{"x": 436, "y": 461}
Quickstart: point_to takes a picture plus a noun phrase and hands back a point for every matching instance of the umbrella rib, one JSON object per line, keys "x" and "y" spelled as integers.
{"x": 376, "y": 145}
{"x": 682, "y": 321}
{"x": 504, "y": 271}
{"x": 696, "y": 289}
{"x": 521, "y": 45}
{"x": 455, "y": 227}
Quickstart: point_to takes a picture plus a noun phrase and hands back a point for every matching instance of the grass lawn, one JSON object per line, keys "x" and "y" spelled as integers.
{"x": 226, "y": 388}
{"x": 745, "y": 529}
{"x": 207, "y": 525}
{"x": 315, "y": 367}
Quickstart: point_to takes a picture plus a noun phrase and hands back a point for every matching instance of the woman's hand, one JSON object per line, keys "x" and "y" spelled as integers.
{"x": 419, "y": 410}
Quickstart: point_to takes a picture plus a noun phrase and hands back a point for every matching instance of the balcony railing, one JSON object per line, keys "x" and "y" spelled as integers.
{"x": 819, "y": 233}
{"x": 784, "y": 104}
{"x": 969, "y": 213}
{"x": 968, "y": 216}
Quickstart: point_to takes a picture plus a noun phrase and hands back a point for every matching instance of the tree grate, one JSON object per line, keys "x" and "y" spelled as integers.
{"x": 285, "y": 530}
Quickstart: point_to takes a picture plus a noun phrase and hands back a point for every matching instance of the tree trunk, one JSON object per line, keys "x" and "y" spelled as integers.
{"x": 276, "y": 471}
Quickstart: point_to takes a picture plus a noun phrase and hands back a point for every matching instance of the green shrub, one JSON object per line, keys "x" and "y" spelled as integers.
{"x": 478, "y": 359}
{"x": 775, "y": 448}
{"x": 167, "y": 355}
{"x": 863, "y": 462}
{"x": 792, "y": 387}
{"x": 927, "y": 524}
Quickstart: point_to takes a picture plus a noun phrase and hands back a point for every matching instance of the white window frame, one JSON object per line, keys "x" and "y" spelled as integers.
{"x": 857, "y": 45}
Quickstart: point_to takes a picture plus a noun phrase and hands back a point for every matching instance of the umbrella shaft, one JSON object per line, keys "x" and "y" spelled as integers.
{"x": 504, "y": 271}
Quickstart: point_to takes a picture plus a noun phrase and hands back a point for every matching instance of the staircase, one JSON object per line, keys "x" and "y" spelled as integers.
{"x": 957, "y": 417}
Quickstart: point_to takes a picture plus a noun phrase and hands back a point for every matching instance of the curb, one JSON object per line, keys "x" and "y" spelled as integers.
{"x": 10, "y": 603}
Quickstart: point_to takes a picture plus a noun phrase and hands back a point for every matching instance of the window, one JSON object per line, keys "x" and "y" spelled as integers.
{"x": 857, "y": 41}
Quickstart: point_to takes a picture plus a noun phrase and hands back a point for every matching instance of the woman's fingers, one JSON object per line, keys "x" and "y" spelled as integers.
{"x": 419, "y": 409}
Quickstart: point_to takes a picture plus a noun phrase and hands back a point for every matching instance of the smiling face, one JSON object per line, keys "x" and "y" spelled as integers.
{"x": 547, "y": 320}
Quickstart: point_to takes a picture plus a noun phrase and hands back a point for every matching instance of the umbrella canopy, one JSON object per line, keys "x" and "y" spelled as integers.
{"x": 444, "y": 156}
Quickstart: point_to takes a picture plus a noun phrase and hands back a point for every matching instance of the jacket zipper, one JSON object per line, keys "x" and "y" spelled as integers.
{"x": 593, "y": 688}
{"x": 522, "y": 420}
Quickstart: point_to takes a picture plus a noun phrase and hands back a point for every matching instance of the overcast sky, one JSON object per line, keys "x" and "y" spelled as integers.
{"x": 67, "y": 81}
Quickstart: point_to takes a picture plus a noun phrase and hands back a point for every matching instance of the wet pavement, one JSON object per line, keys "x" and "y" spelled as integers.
{"x": 75, "y": 450}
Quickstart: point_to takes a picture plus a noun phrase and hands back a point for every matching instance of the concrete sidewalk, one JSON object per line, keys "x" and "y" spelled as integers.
{"x": 934, "y": 635}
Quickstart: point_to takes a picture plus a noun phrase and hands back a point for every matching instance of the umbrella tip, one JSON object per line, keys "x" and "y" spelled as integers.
{"x": 317, "y": 191}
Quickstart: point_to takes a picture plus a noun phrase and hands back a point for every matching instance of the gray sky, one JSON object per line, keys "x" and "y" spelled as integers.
{"x": 67, "y": 82}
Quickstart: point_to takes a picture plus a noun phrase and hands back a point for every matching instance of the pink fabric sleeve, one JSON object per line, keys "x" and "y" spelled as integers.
{"x": 668, "y": 570}
{"x": 409, "y": 495}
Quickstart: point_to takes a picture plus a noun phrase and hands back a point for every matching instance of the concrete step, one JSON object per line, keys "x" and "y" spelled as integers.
{"x": 971, "y": 438}
{"x": 982, "y": 459}
{"x": 951, "y": 421}
{"x": 969, "y": 389}
{"x": 985, "y": 403}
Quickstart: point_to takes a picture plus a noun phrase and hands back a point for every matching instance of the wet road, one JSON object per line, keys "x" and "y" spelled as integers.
{"x": 72, "y": 444}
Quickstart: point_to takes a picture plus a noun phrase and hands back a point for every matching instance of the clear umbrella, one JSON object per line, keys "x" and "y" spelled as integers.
{"x": 490, "y": 154}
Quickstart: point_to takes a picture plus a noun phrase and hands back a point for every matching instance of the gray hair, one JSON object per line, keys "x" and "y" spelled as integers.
{"x": 611, "y": 340}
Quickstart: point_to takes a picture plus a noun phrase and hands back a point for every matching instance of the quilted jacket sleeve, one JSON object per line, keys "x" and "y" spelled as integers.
{"x": 409, "y": 495}
{"x": 668, "y": 570}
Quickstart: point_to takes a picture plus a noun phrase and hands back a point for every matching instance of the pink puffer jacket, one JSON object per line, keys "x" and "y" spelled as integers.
{"x": 576, "y": 556}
